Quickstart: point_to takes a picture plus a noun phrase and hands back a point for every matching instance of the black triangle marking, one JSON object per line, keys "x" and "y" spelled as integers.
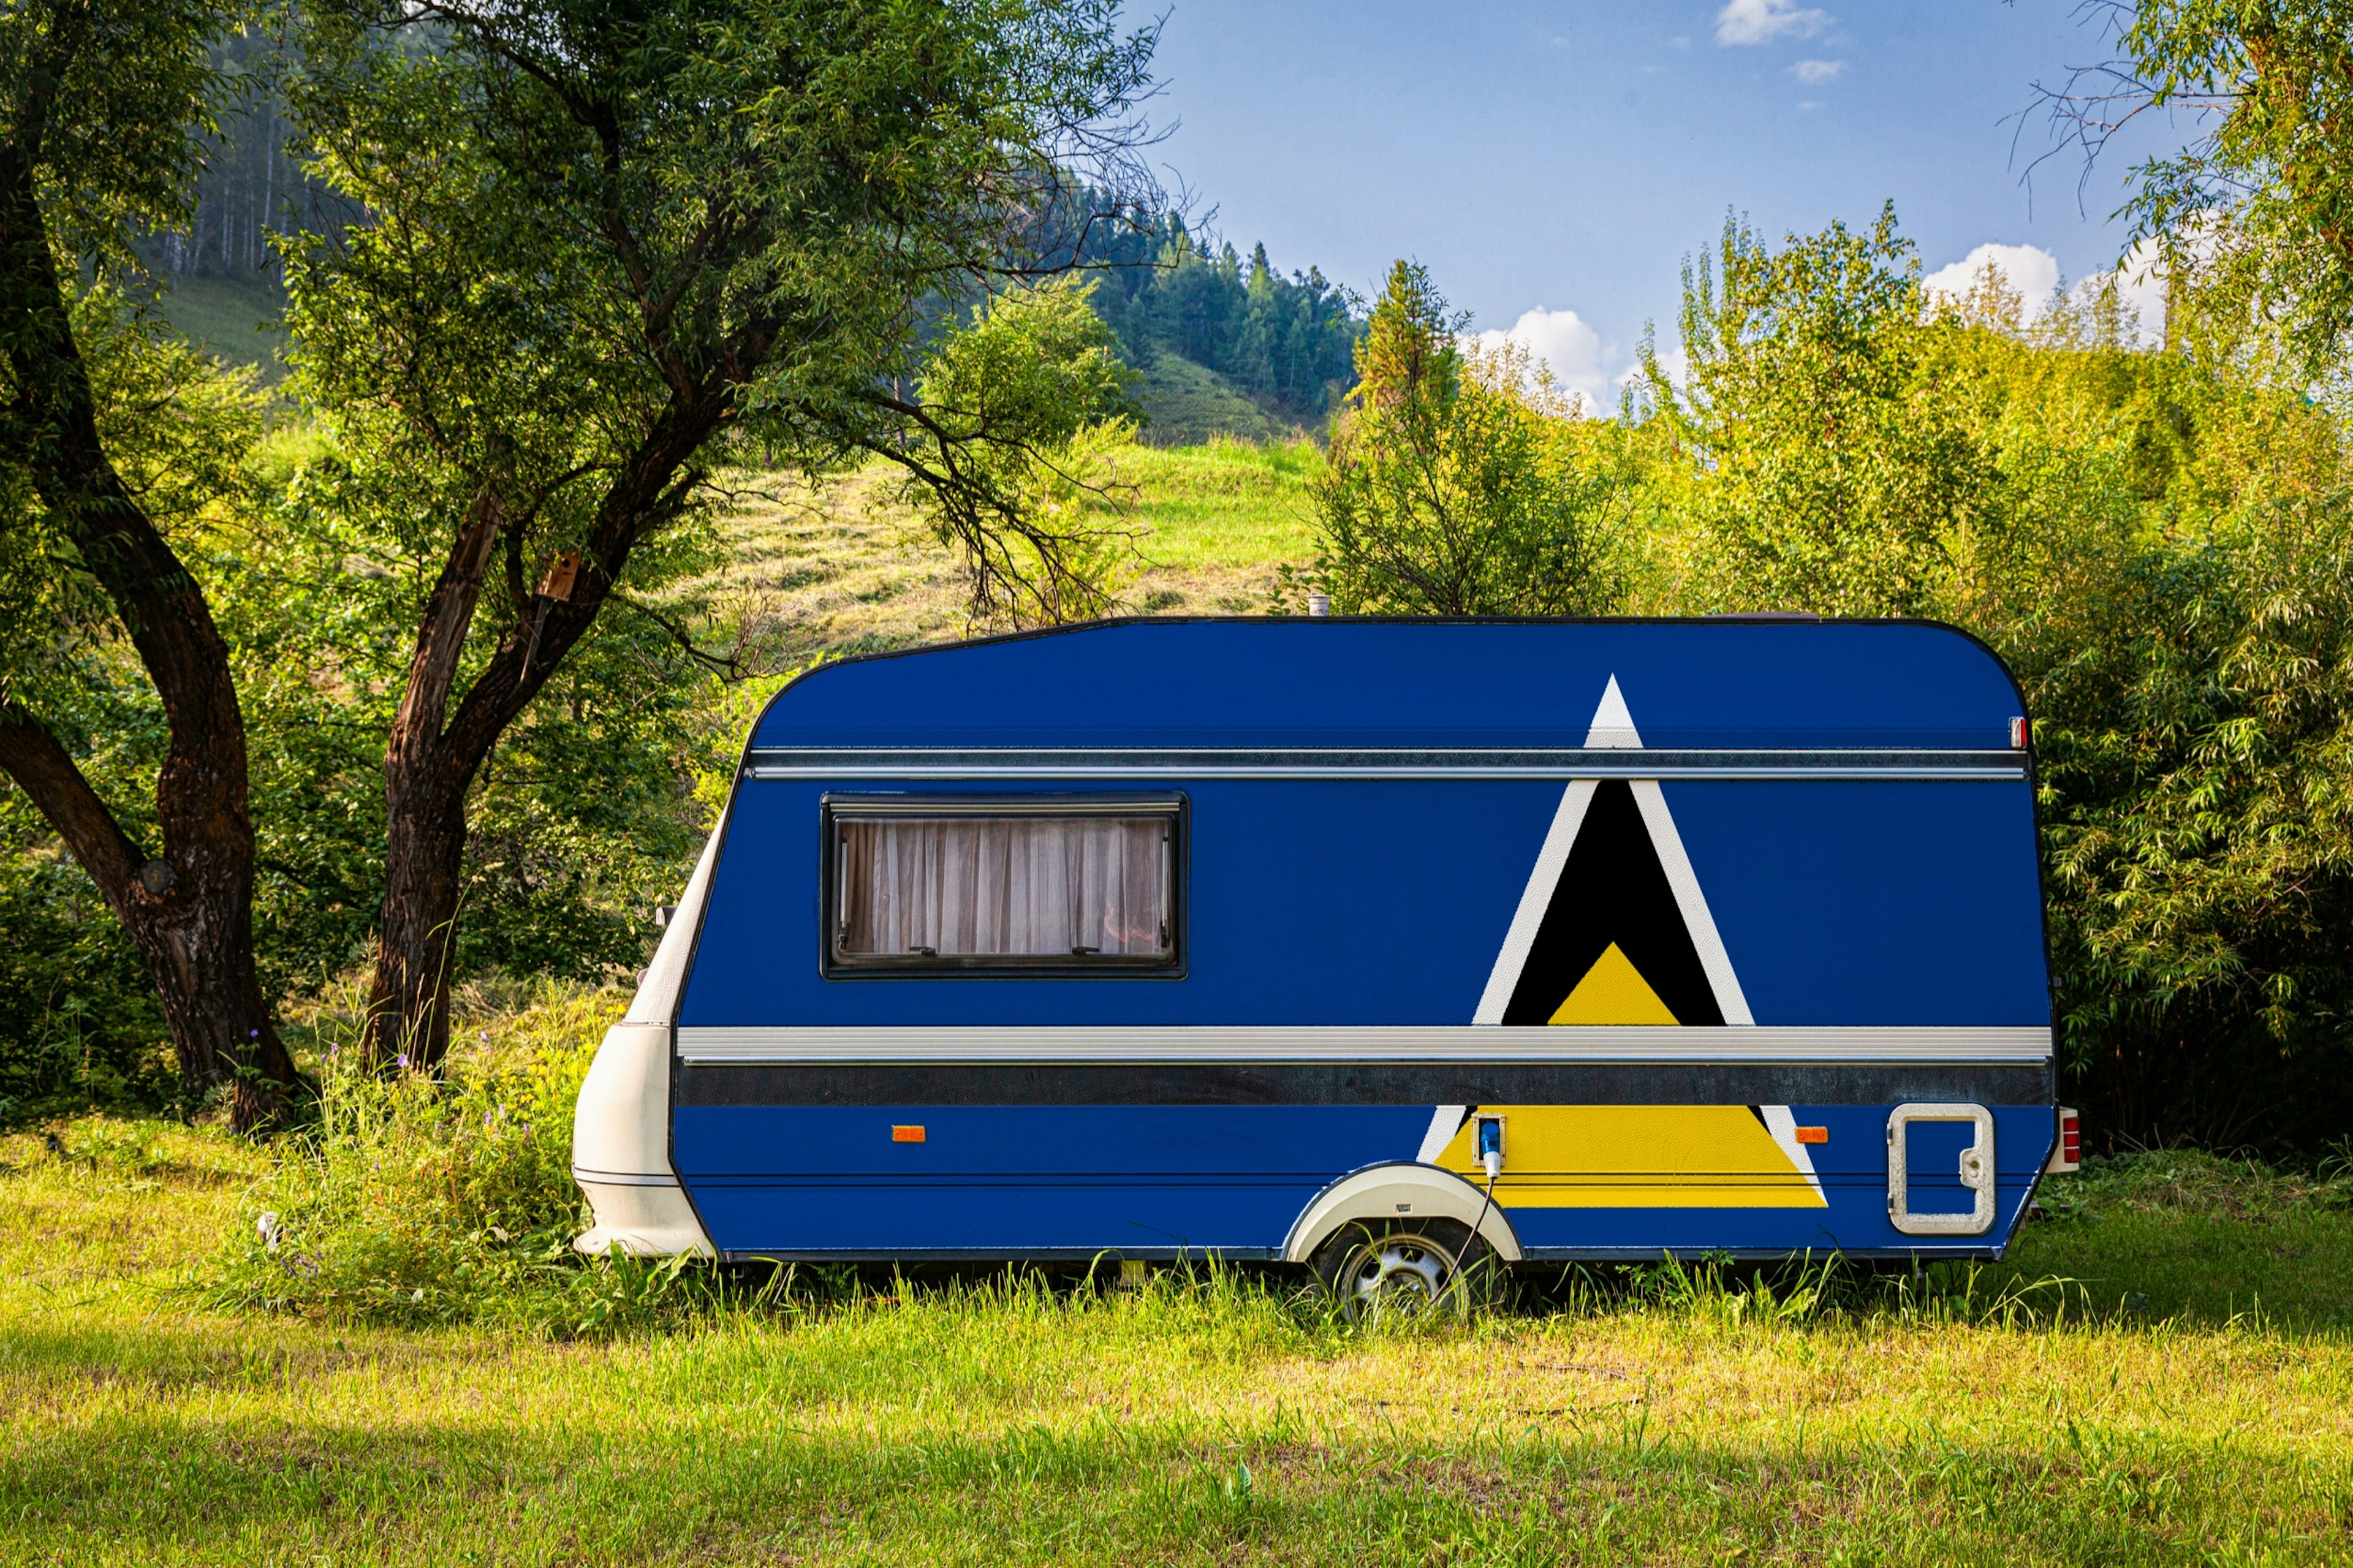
{"x": 1613, "y": 889}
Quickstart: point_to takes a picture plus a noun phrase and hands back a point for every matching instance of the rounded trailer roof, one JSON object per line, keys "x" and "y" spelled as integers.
{"x": 1343, "y": 681}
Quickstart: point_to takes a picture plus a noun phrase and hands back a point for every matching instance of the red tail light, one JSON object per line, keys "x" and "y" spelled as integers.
{"x": 2067, "y": 1152}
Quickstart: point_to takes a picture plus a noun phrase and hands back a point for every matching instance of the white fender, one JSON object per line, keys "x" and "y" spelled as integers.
{"x": 620, "y": 1125}
{"x": 1400, "y": 1191}
{"x": 620, "y": 1156}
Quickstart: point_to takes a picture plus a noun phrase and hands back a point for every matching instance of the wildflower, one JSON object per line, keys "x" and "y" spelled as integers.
{"x": 401, "y": 1060}
{"x": 270, "y": 1228}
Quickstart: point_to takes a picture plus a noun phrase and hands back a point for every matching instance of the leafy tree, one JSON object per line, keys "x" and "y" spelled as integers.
{"x": 1287, "y": 341}
{"x": 607, "y": 250}
{"x": 2195, "y": 743}
{"x": 2175, "y": 601}
{"x": 2258, "y": 206}
{"x": 579, "y": 823}
{"x": 1455, "y": 485}
{"x": 1829, "y": 483}
{"x": 2156, "y": 540}
{"x": 101, "y": 113}
{"x": 1019, "y": 402}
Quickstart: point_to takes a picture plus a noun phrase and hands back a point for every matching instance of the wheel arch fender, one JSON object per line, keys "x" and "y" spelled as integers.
{"x": 1399, "y": 1189}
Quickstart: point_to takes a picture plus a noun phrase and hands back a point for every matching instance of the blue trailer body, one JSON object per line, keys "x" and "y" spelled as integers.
{"x": 1724, "y": 918}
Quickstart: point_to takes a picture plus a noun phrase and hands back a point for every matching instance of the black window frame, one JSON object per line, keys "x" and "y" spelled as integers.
{"x": 834, "y": 807}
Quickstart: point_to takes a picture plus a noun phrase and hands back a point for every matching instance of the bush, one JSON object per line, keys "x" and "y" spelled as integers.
{"x": 79, "y": 1025}
{"x": 418, "y": 1201}
{"x": 1459, "y": 483}
{"x": 2157, "y": 540}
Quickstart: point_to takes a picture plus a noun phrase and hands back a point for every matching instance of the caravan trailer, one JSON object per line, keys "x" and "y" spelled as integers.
{"x": 1329, "y": 939}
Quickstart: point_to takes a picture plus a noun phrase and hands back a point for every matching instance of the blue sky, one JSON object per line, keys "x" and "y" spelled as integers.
{"x": 1563, "y": 158}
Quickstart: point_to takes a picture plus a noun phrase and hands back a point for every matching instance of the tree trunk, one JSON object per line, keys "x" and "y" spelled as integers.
{"x": 427, "y": 773}
{"x": 425, "y": 852}
{"x": 433, "y": 755}
{"x": 189, "y": 914}
{"x": 189, "y": 909}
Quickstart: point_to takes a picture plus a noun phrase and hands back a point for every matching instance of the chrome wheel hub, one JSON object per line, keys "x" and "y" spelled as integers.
{"x": 1393, "y": 1273}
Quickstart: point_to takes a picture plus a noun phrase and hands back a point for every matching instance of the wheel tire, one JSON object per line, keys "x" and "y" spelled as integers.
{"x": 1372, "y": 1268}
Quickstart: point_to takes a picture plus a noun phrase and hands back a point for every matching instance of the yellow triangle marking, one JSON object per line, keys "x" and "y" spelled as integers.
{"x": 1613, "y": 992}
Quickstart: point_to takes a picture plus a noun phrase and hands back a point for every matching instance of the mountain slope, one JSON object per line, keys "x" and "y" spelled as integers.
{"x": 1185, "y": 404}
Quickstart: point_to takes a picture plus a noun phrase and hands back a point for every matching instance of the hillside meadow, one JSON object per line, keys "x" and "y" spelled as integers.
{"x": 2161, "y": 1373}
{"x": 843, "y": 566}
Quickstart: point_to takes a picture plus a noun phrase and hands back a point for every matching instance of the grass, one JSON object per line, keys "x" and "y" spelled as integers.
{"x": 2177, "y": 1234}
{"x": 230, "y": 317}
{"x": 2161, "y": 1373}
{"x": 1187, "y": 405}
{"x": 1227, "y": 507}
{"x": 847, "y": 567}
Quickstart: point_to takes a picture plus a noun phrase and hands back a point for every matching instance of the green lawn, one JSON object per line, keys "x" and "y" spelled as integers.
{"x": 1228, "y": 506}
{"x": 2191, "y": 1403}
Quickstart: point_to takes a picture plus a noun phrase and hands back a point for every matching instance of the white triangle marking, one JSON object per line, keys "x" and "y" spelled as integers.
{"x": 1534, "y": 899}
{"x": 1783, "y": 1125}
{"x": 1612, "y": 725}
{"x": 1444, "y": 1123}
{"x": 1691, "y": 902}
{"x": 1613, "y": 729}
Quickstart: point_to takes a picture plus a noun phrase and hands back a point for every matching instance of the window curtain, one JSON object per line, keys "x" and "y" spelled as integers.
{"x": 1036, "y": 886}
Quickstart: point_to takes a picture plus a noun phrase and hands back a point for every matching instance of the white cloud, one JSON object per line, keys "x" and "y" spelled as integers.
{"x": 2140, "y": 285}
{"x": 2029, "y": 270}
{"x": 1762, "y": 21}
{"x": 1561, "y": 340}
{"x": 1813, "y": 73}
{"x": 2141, "y": 282}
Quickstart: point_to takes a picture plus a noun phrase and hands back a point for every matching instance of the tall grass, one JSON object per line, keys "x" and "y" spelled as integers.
{"x": 416, "y": 1200}
{"x": 2163, "y": 1374}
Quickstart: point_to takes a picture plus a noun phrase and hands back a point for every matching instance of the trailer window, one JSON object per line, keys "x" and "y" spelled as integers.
{"x": 992, "y": 887}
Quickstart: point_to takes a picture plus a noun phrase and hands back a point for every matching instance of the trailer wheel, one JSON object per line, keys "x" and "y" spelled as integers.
{"x": 1403, "y": 1266}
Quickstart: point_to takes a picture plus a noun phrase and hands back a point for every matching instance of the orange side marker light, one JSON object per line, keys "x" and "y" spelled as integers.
{"x": 1813, "y": 1134}
{"x": 906, "y": 1134}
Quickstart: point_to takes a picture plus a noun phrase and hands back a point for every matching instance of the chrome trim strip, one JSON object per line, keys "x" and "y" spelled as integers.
{"x": 621, "y": 1179}
{"x": 1449, "y": 1043}
{"x": 1558, "y": 763}
{"x": 865, "y": 807}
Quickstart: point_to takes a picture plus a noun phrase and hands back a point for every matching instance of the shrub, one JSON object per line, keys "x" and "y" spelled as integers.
{"x": 1458, "y": 483}
{"x": 419, "y": 1200}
